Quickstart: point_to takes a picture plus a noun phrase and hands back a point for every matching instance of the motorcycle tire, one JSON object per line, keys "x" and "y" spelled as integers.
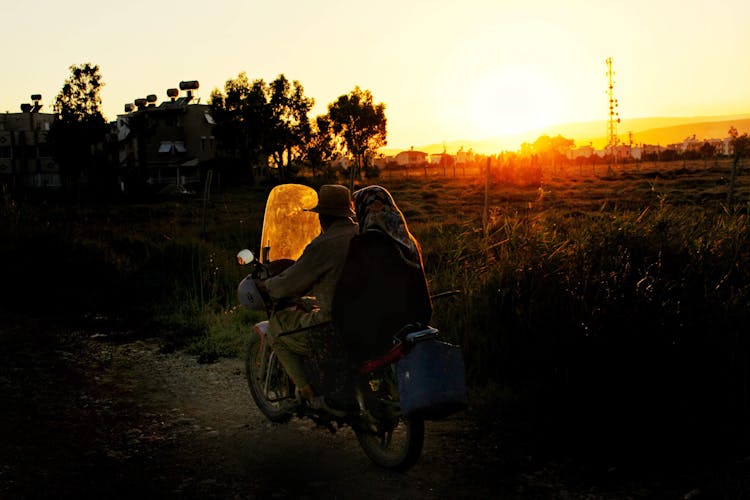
{"x": 269, "y": 384}
{"x": 397, "y": 447}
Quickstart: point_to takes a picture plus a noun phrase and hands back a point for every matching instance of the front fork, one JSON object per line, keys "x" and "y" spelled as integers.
{"x": 267, "y": 363}
{"x": 264, "y": 360}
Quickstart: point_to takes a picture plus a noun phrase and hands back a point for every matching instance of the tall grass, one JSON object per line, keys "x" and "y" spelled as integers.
{"x": 578, "y": 307}
{"x": 639, "y": 317}
{"x": 146, "y": 264}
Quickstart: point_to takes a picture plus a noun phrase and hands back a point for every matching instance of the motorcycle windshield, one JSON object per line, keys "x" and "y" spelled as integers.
{"x": 287, "y": 226}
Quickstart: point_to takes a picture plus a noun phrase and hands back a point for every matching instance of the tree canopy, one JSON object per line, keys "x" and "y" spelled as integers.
{"x": 361, "y": 125}
{"x": 322, "y": 145}
{"x": 257, "y": 121}
{"x": 547, "y": 148}
{"x": 79, "y": 99}
{"x": 740, "y": 147}
{"x": 80, "y": 127}
{"x": 740, "y": 143}
{"x": 290, "y": 126}
{"x": 240, "y": 118}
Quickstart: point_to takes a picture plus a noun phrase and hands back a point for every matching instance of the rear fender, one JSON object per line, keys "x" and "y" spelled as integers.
{"x": 400, "y": 348}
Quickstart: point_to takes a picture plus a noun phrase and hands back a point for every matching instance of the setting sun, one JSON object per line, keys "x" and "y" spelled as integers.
{"x": 509, "y": 100}
{"x": 474, "y": 70}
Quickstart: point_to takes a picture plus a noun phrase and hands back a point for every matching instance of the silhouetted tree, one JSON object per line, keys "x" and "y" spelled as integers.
{"x": 79, "y": 131}
{"x": 321, "y": 147}
{"x": 256, "y": 121}
{"x": 289, "y": 128}
{"x": 740, "y": 147}
{"x": 360, "y": 124}
{"x": 140, "y": 131}
{"x": 551, "y": 149}
{"x": 668, "y": 155}
{"x": 241, "y": 116}
{"x": 707, "y": 152}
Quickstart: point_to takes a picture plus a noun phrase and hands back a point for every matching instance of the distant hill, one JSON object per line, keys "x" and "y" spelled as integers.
{"x": 664, "y": 131}
{"x": 678, "y": 133}
{"x": 654, "y": 130}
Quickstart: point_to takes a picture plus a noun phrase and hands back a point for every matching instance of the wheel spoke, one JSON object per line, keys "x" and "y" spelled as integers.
{"x": 386, "y": 441}
{"x": 269, "y": 374}
{"x": 267, "y": 380}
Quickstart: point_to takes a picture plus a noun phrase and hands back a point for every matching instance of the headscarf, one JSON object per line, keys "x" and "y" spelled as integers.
{"x": 376, "y": 211}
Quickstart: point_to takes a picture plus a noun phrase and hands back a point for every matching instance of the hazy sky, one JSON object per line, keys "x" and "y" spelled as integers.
{"x": 466, "y": 69}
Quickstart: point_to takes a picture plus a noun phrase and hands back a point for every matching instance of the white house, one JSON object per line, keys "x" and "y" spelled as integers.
{"x": 411, "y": 158}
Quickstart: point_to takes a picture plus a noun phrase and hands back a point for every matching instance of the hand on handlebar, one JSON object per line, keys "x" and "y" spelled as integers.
{"x": 261, "y": 284}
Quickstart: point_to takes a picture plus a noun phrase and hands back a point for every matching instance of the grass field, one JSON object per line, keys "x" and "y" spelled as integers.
{"x": 615, "y": 298}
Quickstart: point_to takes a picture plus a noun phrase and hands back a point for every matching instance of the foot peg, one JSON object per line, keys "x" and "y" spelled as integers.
{"x": 318, "y": 403}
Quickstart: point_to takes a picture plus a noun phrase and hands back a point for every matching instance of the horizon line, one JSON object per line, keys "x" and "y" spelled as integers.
{"x": 520, "y": 136}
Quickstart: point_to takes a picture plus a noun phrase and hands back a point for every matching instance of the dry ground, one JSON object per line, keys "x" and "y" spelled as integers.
{"x": 103, "y": 414}
{"x": 106, "y": 413}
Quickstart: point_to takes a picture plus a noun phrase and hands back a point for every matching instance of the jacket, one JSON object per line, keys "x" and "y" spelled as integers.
{"x": 318, "y": 269}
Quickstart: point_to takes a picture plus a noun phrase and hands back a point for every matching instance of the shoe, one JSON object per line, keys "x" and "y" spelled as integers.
{"x": 319, "y": 403}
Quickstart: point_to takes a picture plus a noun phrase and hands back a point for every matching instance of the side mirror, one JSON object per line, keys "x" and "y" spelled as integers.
{"x": 245, "y": 257}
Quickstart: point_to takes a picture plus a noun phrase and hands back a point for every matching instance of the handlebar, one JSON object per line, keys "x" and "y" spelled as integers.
{"x": 425, "y": 334}
{"x": 415, "y": 332}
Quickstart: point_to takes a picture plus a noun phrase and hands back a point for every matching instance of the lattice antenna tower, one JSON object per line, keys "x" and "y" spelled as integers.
{"x": 614, "y": 115}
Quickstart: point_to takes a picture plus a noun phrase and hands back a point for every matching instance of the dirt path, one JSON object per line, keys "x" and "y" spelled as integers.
{"x": 104, "y": 414}
{"x": 224, "y": 446}
{"x": 100, "y": 415}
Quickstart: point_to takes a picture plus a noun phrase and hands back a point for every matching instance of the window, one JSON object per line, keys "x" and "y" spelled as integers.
{"x": 165, "y": 147}
{"x": 207, "y": 143}
{"x": 179, "y": 146}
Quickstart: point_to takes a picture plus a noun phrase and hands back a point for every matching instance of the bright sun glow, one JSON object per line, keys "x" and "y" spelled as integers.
{"x": 512, "y": 100}
{"x": 476, "y": 70}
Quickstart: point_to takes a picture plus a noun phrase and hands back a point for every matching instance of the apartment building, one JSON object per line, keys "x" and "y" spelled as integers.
{"x": 25, "y": 153}
{"x": 166, "y": 142}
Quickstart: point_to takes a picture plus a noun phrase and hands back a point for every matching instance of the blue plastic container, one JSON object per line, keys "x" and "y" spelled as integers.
{"x": 432, "y": 380}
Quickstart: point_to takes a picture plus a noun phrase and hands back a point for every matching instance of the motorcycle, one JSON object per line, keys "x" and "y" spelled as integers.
{"x": 387, "y": 401}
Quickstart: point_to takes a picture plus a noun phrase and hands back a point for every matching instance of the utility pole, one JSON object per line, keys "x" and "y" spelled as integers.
{"x": 614, "y": 116}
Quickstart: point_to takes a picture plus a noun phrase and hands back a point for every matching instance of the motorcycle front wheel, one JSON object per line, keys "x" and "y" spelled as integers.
{"x": 396, "y": 446}
{"x": 270, "y": 386}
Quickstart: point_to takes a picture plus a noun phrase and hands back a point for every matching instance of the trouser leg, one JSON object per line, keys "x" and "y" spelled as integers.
{"x": 290, "y": 349}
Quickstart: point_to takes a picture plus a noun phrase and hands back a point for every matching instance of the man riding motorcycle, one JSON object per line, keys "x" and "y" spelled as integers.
{"x": 364, "y": 343}
{"x": 304, "y": 291}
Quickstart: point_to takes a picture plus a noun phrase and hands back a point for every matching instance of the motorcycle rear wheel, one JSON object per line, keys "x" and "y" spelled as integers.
{"x": 269, "y": 385}
{"x": 396, "y": 447}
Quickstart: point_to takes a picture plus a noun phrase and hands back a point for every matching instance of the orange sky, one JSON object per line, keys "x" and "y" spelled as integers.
{"x": 445, "y": 70}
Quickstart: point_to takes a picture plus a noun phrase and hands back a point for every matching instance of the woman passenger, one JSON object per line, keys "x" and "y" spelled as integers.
{"x": 382, "y": 287}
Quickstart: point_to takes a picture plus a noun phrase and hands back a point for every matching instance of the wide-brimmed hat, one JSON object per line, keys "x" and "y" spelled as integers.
{"x": 335, "y": 200}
